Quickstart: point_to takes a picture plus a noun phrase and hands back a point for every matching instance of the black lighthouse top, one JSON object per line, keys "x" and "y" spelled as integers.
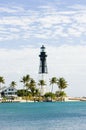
{"x": 43, "y": 64}
{"x": 43, "y": 48}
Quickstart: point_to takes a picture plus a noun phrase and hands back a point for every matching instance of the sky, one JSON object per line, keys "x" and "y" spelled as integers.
{"x": 26, "y": 25}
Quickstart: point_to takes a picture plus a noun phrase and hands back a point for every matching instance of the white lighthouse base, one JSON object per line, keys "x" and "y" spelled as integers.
{"x": 43, "y": 90}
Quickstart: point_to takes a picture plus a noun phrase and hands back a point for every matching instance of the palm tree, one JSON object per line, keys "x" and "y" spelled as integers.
{"x": 52, "y": 82}
{"x": 25, "y": 80}
{"x": 41, "y": 83}
{"x": 32, "y": 86}
{"x": 49, "y": 96}
{"x": 13, "y": 84}
{"x": 62, "y": 83}
{"x": 60, "y": 95}
{"x": 37, "y": 92}
{"x": 2, "y": 81}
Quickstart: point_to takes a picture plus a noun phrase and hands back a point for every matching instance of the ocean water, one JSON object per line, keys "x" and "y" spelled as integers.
{"x": 43, "y": 116}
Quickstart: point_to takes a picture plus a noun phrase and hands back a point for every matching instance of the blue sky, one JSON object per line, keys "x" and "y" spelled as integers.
{"x": 60, "y": 25}
{"x": 33, "y": 22}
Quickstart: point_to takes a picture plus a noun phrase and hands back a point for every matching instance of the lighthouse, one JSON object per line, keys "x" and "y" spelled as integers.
{"x": 43, "y": 68}
{"x": 43, "y": 65}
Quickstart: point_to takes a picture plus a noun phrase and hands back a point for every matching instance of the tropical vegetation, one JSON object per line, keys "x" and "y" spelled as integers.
{"x": 42, "y": 83}
{"x": 32, "y": 90}
{"x": 53, "y": 81}
{"x": 2, "y": 81}
{"x": 13, "y": 84}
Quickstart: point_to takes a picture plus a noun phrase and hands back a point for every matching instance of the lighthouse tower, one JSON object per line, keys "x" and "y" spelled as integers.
{"x": 43, "y": 66}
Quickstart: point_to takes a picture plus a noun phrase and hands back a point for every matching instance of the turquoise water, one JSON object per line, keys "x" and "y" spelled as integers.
{"x": 43, "y": 116}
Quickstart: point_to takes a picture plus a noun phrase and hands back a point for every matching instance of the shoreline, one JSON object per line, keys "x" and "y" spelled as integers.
{"x": 67, "y": 99}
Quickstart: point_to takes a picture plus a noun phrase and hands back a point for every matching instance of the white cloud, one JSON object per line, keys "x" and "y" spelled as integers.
{"x": 74, "y": 32}
{"x": 69, "y": 62}
{"x": 78, "y": 7}
{"x": 12, "y": 10}
{"x": 48, "y": 22}
{"x": 81, "y": 18}
{"x": 16, "y": 63}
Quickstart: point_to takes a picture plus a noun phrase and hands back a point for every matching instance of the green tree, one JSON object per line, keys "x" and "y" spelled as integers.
{"x": 49, "y": 96}
{"x": 41, "y": 83}
{"x": 31, "y": 86}
{"x": 62, "y": 83}
{"x": 60, "y": 95}
{"x": 25, "y": 80}
{"x": 13, "y": 84}
{"x": 2, "y": 81}
{"x": 37, "y": 92}
{"x": 53, "y": 81}
{"x": 22, "y": 92}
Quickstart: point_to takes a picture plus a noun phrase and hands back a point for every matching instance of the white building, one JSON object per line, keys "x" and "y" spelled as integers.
{"x": 9, "y": 92}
